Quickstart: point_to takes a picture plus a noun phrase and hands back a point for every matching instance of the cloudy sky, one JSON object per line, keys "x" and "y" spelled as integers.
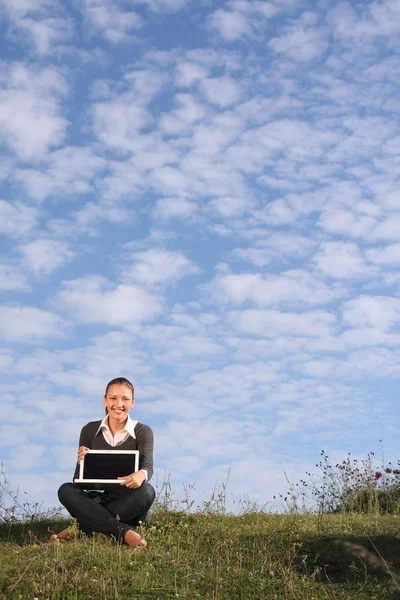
{"x": 201, "y": 196}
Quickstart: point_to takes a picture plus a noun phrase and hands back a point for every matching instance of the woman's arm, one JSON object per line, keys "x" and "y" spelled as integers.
{"x": 145, "y": 442}
{"x": 84, "y": 445}
{"x": 145, "y": 445}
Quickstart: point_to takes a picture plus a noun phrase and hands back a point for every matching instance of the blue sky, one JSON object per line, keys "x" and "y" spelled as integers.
{"x": 202, "y": 197}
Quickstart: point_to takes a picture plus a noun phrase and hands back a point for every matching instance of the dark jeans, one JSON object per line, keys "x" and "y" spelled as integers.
{"x": 96, "y": 511}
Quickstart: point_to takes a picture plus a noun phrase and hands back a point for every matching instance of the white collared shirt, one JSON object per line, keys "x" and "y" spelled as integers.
{"x": 121, "y": 436}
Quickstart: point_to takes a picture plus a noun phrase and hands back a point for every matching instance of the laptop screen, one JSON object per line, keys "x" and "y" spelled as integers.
{"x": 107, "y": 465}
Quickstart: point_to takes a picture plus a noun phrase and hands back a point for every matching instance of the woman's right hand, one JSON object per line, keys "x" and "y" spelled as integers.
{"x": 81, "y": 453}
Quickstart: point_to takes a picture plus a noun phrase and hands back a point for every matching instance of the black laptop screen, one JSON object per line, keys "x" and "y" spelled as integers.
{"x": 108, "y": 466}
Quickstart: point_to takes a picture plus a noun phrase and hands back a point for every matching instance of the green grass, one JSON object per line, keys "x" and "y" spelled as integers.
{"x": 250, "y": 557}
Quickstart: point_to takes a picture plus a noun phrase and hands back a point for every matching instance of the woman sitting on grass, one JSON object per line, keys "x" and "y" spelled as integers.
{"x": 113, "y": 512}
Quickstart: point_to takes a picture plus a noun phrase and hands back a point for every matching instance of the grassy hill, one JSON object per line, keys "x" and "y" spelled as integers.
{"x": 249, "y": 557}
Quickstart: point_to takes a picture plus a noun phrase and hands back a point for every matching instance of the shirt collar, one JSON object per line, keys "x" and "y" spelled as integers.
{"x": 129, "y": 426}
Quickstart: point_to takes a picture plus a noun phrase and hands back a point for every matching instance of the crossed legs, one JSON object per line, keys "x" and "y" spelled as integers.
{"x": 130, "y": 505}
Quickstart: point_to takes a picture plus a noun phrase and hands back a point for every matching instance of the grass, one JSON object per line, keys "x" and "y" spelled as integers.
{"x": 254, "y": 556}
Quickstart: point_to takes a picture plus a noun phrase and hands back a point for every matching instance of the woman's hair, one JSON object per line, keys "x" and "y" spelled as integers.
{"x": 120, "y": 381}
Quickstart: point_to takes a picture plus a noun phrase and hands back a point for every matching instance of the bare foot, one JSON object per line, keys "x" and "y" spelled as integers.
{"x": 57, "y": 537}
{"x": 134, "y": 539}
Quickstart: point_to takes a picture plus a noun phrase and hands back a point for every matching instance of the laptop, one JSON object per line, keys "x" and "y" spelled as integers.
{"x": 105, "y": 466}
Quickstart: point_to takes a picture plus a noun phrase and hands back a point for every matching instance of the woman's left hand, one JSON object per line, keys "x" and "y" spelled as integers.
{"x": 134, "y": 480}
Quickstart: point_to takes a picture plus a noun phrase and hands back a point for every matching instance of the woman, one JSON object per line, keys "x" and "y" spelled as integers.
{"x": 113, "y": 512}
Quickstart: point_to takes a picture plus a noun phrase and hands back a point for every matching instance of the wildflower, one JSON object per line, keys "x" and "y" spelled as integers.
{"x": 378, "y": 475}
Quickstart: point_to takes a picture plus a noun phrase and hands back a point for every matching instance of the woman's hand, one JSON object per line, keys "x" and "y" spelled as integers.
{"x": 81, "y": 453}
{"x": 134, "y": 480}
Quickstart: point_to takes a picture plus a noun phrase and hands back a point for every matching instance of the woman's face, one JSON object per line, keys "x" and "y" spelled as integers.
{"x": 119, "y": 402}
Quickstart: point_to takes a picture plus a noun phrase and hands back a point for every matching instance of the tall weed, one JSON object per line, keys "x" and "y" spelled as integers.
{"x": 351, "y": 486}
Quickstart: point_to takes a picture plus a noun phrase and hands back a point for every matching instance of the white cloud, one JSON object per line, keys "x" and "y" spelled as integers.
{"x": 38, "y": 488}
{"x": 203, "y": 172}
{"x": 125, "y": 181}
{"x": 390, "y": 198}
{"x": 291, "y": 287}
{"x": 209, "y": 141}
{"x": 364, "y": 365}
{"x": 23, "y": 7}
{"x": 163, "y": 5}
{"x": 189, "y": 111}
{"x": 276, "y": 247}
{"x": 271, "y": 323}
{"x": 341, "y": 260}
{"x": 92, "y": 300}
{"x": 46, "y": 33}
{"x": 372, "y": 311}
{"x": 231, "y": 25}
{"x": 351, "y": 339}
{"x": 118, "y": 121}
{"x": 87, "y": 216}
{"x": 223, "y": 91}
{"x": 43, "y": 256}
{"x": 157, "y": 266}
{"x": 233, "y": 386}
{"x": 329, "y": 407}
{"x": 170, "y": 181}
{"x": 28, "y": 456}
{"x": 87, "y": 368}
{"x": 388, "y": 229}
{"x": 346, "y": 21}
{"x": 286, "y": 145}
{"x": 171, "y": 208}
{"x": 69, "y": 171}
{"x": 230, "y": 206}
{"x": 180, "y": 343}
{"x": 209, "y": 439}
{"x": 258, "y": 7}
{"x": 346, "y": 222}
{"x": 6, "y": 361}
{"x": 64, "y": 456}
{"x": 30, "y": 113}
{"x": 363, "y": 23}
{"x": 108, "y": 19}
{"x": 241, "y": 18}
{"x": 41, "y": 22}
{"x": 387, "y": 255}
{"x": 6, "y": 166}
{"x": 303, "y": 41}
{"x": 10, "y": 433}
{"x": 188, "y": 73}
{"x": 17, "y": 219}
{"x": 12, "y": 279}
{"x": 246, "y": 349}
{"x": 28, "y": 324}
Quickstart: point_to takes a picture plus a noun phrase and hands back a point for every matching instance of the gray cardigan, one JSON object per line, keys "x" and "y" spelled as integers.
{"x": 144, "y": 442}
